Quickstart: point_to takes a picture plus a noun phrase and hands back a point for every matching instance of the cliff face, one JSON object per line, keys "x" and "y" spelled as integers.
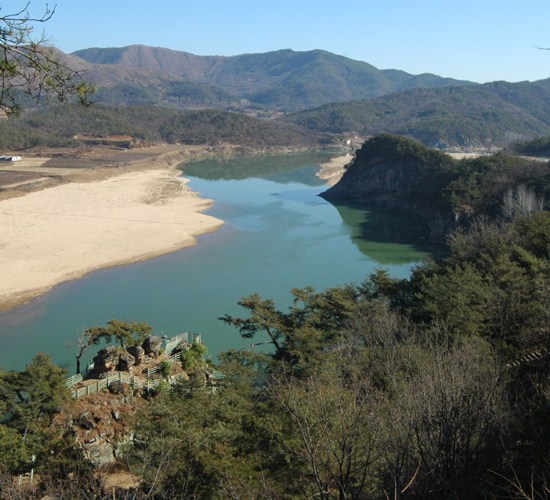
{"x": 394, "y": 172}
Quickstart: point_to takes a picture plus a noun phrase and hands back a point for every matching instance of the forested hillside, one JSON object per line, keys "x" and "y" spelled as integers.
{"x": 58, "y": 125}
{"x": 396, "y": 172}
{"x": 284, "y": 80}
{"x": 493, "y": 114}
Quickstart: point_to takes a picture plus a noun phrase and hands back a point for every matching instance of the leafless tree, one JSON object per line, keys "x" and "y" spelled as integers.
{"x": 456, "y": 407}
{"x": 521, "y": 201}
{"x": 31, "y": 65}
{"x": 336, "y": 421}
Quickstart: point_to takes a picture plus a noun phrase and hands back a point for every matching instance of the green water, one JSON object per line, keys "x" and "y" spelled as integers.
{"x": 278, "y": 235}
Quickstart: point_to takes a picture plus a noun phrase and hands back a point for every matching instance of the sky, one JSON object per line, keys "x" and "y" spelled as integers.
{"x": 476, "y": 40}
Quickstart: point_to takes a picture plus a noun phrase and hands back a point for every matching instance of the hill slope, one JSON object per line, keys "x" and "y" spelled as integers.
{"x": 284, "y": 79}
{"x": 474, "y": 116}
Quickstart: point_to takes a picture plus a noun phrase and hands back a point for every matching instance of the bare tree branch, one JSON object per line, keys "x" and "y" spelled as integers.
{"x": 30, "y": 66}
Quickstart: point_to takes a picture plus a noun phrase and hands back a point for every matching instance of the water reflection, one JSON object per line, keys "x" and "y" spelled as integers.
{"x": 387, "y": 237}
{"x": 281, "y": 168}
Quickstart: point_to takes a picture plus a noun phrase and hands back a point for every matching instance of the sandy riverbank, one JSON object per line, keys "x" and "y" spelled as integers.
{"x": 66, "y": 231}
{"x": 333, "y": 170}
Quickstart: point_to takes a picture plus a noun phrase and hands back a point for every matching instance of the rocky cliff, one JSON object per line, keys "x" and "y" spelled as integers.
{"x": 391, "y": 171}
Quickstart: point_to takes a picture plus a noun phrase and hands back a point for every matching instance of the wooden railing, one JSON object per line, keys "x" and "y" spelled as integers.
{"x": 155, "y": 369}
{"x": 171, "y": 343}
{"x": 529, "y": 358}
{"x": 135, "y": 382}
{"x": 79, "y": 377}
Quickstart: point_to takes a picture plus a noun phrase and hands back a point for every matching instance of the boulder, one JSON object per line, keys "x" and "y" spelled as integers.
{"x": 109, "y": 353}
{"x": 140, "y": 392}
{"x": 137, "y": 352}
{"x": 153, "y": 392}
{"x": 209, "y": 372}
{"x": 125, "y": 361}
{"x": 151, "y": 345}
{"x": 179, "y": 378}
{"x": 122, "y": 443}
{"x": 117, "y": 387}
{"x": 182, "y": 346}
{"x": 106, "y": 359}
{"x": 86, "y": 421}
{"x": 99, "y": 453}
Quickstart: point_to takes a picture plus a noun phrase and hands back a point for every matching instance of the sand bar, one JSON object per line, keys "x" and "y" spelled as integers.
{"x": 66, "y": 231}
{"x": 333, "y": 170}
{"x": 468, "y": 156}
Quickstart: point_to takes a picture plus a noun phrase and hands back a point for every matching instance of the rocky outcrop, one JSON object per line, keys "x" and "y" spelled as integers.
{"x": 183, "y": 345}
{"x": 99, "y": 452}
{"x": 180, "y": 378}
{"x": 107, "y": 359}
{"x": 152, "y": 345}
{"x": 398, "y": 173}
{"x": 86, "y": 421}
{"x": 137, "y": 352}
{"x": 117, "y": 387}
{"x": 125, "y": 361}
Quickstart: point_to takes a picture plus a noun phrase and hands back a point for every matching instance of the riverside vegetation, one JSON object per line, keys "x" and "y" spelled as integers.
{"x": 434, "y": 386}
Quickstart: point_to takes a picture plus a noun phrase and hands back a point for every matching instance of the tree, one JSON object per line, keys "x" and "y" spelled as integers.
{"x": 192, "y": 359}
{"x": 32, "y": 67}
{"x": 334, "y": 427}
{"x": 522, "y": 201}
{"x": 126, "y": 332}
{"x": 300, "y": 335}
{"x": 29, "y": 401}
{"x": 85, "y": 340}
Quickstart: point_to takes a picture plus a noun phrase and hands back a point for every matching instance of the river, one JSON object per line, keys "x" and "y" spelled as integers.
{"x": 279, "y": 234}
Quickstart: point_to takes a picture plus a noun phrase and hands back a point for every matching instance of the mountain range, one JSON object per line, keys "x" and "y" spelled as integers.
{"x": 322, "y": 92}
{"x": 284, "y": 80}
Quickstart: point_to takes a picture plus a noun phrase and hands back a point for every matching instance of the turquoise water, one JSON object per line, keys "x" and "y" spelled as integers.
{"x": 278, "y": 235}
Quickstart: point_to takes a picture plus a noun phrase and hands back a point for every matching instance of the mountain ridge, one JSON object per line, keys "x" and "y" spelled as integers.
{"x": 285, "y": 80}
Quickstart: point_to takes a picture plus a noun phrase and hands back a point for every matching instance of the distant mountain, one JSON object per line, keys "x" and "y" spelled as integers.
{"x": 128, "y": 85}
{"x": 481, "y": 115}
{"x": 285, "y": 80}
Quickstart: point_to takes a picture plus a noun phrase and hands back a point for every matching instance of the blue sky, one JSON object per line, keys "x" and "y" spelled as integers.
{"x": 478, "y": 40}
